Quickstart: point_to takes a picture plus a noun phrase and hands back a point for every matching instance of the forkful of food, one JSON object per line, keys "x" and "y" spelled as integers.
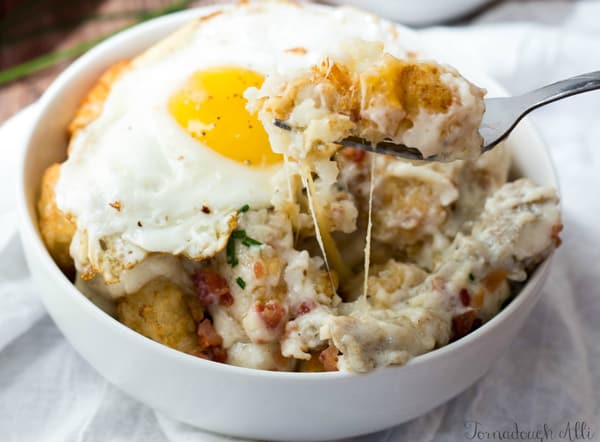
{"x": 416, "y": 110}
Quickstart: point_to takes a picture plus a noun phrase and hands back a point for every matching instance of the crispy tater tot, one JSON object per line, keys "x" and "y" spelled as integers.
{"x": 56, "y": 228}
{"x": 160, "y": 312}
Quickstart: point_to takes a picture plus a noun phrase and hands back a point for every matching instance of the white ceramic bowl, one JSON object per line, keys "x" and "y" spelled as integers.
{"x": 227, "y": 399}
{"x": 417, "y": 13}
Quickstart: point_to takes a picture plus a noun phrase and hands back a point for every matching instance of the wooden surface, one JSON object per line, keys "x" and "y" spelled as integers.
{"x": 32, "y": 28}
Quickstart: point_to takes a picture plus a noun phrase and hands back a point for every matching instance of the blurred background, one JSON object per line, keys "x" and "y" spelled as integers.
{"x": 39, "y": 38}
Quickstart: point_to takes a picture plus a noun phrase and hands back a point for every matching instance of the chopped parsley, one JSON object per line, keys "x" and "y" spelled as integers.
{"x": 240, "y": 282}
{"x": 238, "y": 234}
{"x": 471, "y": 277}
{"x": 244, "y": 208}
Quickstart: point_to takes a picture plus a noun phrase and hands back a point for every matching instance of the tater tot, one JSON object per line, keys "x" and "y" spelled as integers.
{"x": 160, "y": 312}
{"x": 406, "y": 210}
{"x": 56, "y": 228}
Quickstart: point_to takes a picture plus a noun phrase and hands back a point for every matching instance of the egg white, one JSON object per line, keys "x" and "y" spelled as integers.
{"x": 136, "y": 154}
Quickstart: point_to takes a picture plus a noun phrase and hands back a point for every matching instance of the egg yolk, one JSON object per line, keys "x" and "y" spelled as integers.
{"x": 211, "y": 107}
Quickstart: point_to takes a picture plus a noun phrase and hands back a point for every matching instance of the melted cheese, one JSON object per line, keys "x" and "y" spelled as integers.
{"x": 369, "y": 228}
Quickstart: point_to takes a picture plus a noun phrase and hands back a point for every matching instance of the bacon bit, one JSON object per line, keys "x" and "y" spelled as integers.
{"x": 465, "y": 298}
{"x": 329, "y": 358}
{"x": 210, "y": 343}
{"x": 492, "y": 280}
{"x": 271, "y": 313}
{"x": 556, "y": 229}
{"x": 205, "y": 209}
{"x": 116, "y": 205}
{"x": 218, "y": 354}
{"x": 438, "y": 284}
{"x": 207, "y": 336}
{"x": 215, "y": 354}
{"x": 462, "y": 324}
{"x": 211, "y": 288}
{"x": 259, "y": 269}
{"x": 298, "y": 50}
{"x": 305, "y": 307}
{"x": 199, "y": 354}
{"x": 355, "y": 155}
{"x": 211, "y": 15}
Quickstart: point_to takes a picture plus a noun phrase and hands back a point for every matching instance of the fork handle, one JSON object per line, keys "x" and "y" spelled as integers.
{"x": 502, "y": 114}
{"x": 561, "y": 89}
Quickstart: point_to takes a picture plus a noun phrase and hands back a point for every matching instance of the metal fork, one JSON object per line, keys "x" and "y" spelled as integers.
{"x": 499, "y": 119}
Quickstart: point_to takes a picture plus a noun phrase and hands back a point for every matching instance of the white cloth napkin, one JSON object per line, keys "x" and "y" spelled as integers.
{"x": 549, "y": 376}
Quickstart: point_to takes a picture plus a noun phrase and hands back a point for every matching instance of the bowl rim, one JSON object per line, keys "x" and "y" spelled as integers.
{"x": 30, "y": 230}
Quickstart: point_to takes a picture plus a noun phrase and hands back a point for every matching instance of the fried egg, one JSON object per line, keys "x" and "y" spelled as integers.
{"x": 175, "y": 154}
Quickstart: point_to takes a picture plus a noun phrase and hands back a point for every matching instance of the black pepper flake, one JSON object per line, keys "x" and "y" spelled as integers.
{"x": 471, "y": 277}
{"x": 102, "y": 244}
{"x": 205, "y": 209}
{"x": 139, "y": 223}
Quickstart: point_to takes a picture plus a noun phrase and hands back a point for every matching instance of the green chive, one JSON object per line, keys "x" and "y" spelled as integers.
{"x": 247, "y": 241}
{"x": 240, "y": 282}
{"x": 238, "y": 234}
{"x": 230, "y": 252}
{"x": 244, "y": 208}
{"x": 45, "y": 61}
